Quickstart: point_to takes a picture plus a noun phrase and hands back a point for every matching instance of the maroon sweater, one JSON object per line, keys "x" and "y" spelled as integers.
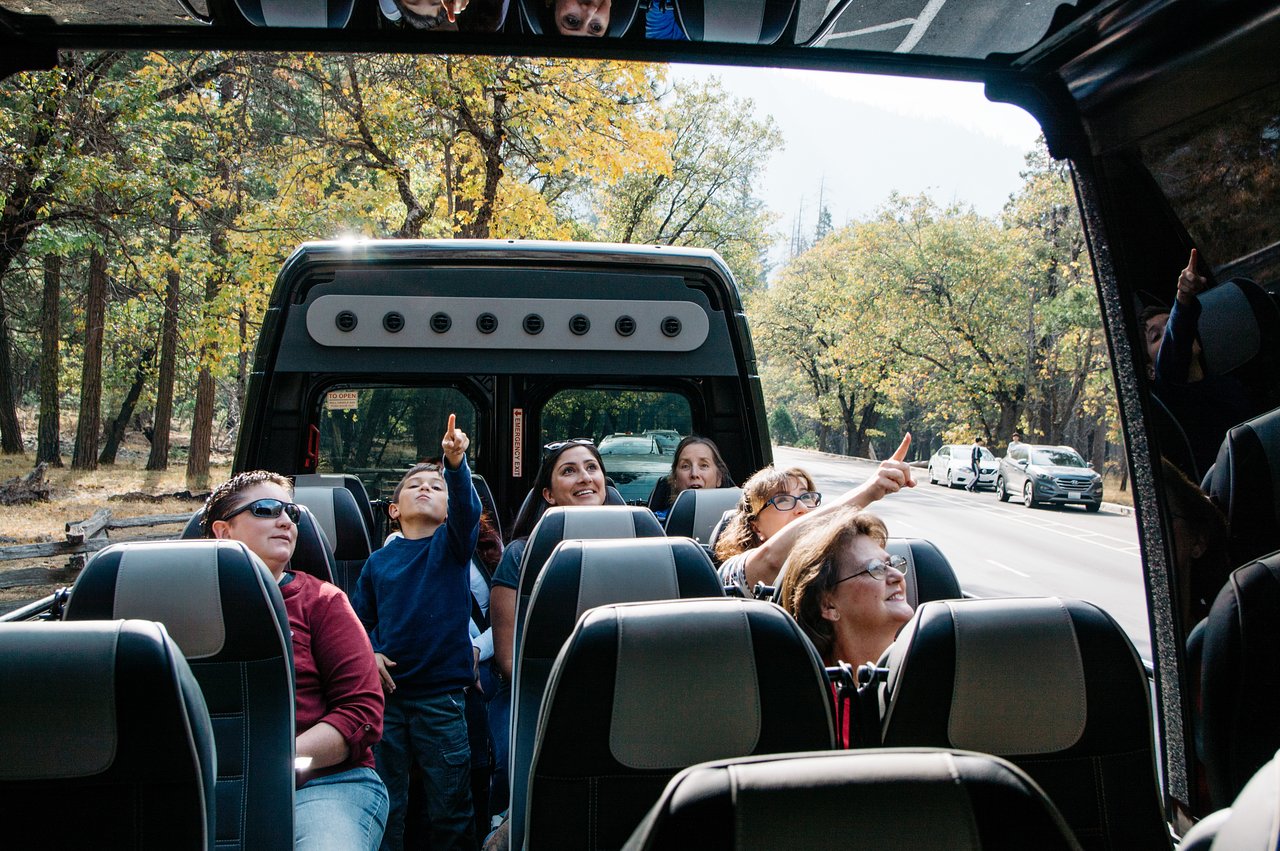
{"x": 335, "y": 677}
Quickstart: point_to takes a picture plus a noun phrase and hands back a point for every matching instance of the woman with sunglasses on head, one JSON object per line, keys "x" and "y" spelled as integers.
{"x": 778, "y": 505}
{"x": 848, "y": 595}
{"x": 571, "y": 474}
{"x": 340, "y": 802}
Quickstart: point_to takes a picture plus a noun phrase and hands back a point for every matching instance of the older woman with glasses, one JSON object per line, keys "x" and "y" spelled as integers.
{"x": 340, "y": 802}
{"x": 848, "y": 595}
{"x": 777, "y": 506}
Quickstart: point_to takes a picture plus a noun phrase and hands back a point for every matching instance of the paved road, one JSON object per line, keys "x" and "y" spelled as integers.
{"x": 1004, "y": 549}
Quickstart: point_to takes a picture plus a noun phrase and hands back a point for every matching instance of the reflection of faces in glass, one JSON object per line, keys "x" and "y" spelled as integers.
{"x": 429, "y": 14}
{"x": 1155, "y": 333}
{"x": 582, "y": 17}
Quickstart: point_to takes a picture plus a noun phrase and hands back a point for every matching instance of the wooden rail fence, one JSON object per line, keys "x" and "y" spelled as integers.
{"x": 83, "y": 538}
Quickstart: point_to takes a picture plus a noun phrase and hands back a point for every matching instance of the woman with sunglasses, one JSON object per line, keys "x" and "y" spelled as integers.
{"x": 848, "y": 595}
{"x": 340, "y": 802}
{"x": 778, "y": 505}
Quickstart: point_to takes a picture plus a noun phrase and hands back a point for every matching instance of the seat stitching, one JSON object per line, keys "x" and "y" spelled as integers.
{"x": 1102, "y": 796}
{"x": 244, "y": 746}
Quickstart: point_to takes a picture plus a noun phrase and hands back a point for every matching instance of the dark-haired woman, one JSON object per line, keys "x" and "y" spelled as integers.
{"x": 340, "y": 803}
{"x": 572, "y": 474}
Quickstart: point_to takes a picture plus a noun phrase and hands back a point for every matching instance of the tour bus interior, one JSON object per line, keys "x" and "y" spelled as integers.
{"x": 1039, "y": 708}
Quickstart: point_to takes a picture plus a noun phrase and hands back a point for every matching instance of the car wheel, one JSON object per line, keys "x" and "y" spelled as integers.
{"x": 1093, "y": 507}
{"x": 1028, "y": 496}
{"x": 1001, "y": 492}
{"x": 933, "y": 480}
{"x": 951, "y": 479}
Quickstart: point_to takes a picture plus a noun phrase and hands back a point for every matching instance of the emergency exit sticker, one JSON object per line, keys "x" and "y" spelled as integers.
{"x": 342, "y": 400}
{"x": 517, "y": 442}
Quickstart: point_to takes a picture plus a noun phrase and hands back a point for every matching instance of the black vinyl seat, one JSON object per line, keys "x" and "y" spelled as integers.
{"x": 530, "y": 503}
{"x": 1245, "y": 484}
{"x": 1053, "y": 685}
{"x": 311, "y": 554}
{"x": 941, "y": 799}
{"x": 1240, "y": 678}
{"x": 566, "y": 523}
{"x": 1252, "y": 820}
{"x": 336, "y": 512}
{"x": 105, "y": 741}
{"x": 695, "y": 513}
{"x": 578, "y": 576}
{"x": 735, "y": 21}
{"x": 643, "y": 690}
{"x": 353, "y": 484}
{"x": 223, "y": 609}
{"x": 929, "y": 573}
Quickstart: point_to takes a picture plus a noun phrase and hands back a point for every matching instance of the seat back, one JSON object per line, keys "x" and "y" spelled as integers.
{"x": 1240, "y": 679}
{"x": 1252, "y": 820}
{"x": 566, "y": 523}
{"x": 223, "y": 609}
{"x": 580, "y": 575}
{"x": 1054, "y": 686}
{"x": 311, "y": 554}
{"x": 353, "y": 484}
{"x": 695, "y": 513}
{"x": 1239, "y": 332}
{"x": 643, "y": 690}
{"x": 1245, "y": 484}
{"x": 336, "y": 512}
{"x": 104, "y": 739}
{"x": 486, "y": 501}
{"x": 532, "y": 503}
{"x": 929, "y": 573}
{"x": 972, "y": 801}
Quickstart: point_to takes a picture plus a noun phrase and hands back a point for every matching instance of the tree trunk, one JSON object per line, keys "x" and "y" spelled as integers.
{"x": 49, "y": 430}
{"x": 115, "y": 432}
{"x": 202, "y": 421}
{"x": 89, "y": 427}
{"x": 158, "y": 459}
{"x": 10, "y": 431}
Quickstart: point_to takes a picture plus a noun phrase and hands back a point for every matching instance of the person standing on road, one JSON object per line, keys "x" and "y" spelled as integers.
{"x": 975, "y": 462}
{"x": 1014, "y": 442}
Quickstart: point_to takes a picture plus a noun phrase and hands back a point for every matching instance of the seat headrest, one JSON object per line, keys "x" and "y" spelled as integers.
{"x": 216, "y": 599}
{"x": 581, "y": 575}
{"x": 1245, "y": 483}
{"x": 929, "y": 573}
{"x": 695, "y": 513}
{"x": 955, "y": 800}
{"x": 1238, "y": 324}
{"x": 561, "y": 523}
{"x": 319, "y": 14}
{"x": 67, "y": 690}
{"x": 1018, "y": 683}
{"x": 1254, "y": 821}
{"x": 336, "y": 512}
{"x": 645, "y": 659}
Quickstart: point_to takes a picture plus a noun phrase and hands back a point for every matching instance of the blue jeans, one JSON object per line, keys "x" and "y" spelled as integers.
{"x": 341, "y": 812}
{"x": 431, "y": 731}
{"x": 500, "y": 728}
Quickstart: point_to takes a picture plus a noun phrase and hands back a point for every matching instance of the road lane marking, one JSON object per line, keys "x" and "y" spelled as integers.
{"x": 921, "y": 26}
{"x": 1008, "y": 568}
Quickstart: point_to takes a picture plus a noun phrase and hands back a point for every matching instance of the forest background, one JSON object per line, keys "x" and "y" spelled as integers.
{"x": 150, "y": 199}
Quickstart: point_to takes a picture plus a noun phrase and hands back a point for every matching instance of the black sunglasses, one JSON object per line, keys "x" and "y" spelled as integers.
{"x": 573, "y": 441}
{"x": 269, "y": 508}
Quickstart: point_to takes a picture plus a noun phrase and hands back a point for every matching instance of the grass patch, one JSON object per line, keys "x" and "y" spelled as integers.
{"x": 1111, "y": 490}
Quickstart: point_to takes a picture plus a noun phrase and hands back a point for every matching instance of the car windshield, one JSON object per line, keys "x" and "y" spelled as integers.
{"x": 627, "y": 446}
{"x": 1056, "y": 458}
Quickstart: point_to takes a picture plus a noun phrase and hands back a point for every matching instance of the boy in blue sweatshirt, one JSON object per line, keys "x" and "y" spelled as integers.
{"x": 414, "y": 597}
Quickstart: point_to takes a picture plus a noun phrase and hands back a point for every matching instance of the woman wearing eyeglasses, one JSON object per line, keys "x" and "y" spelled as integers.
{"x": 777, "y": 506}
{"x": 341, "y": 803}
{"x": 848, "y": 595}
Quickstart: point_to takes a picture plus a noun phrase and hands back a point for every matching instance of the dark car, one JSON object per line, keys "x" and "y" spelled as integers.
{"x": 635, "y": 463}
{"x": 1048, "y": 474}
